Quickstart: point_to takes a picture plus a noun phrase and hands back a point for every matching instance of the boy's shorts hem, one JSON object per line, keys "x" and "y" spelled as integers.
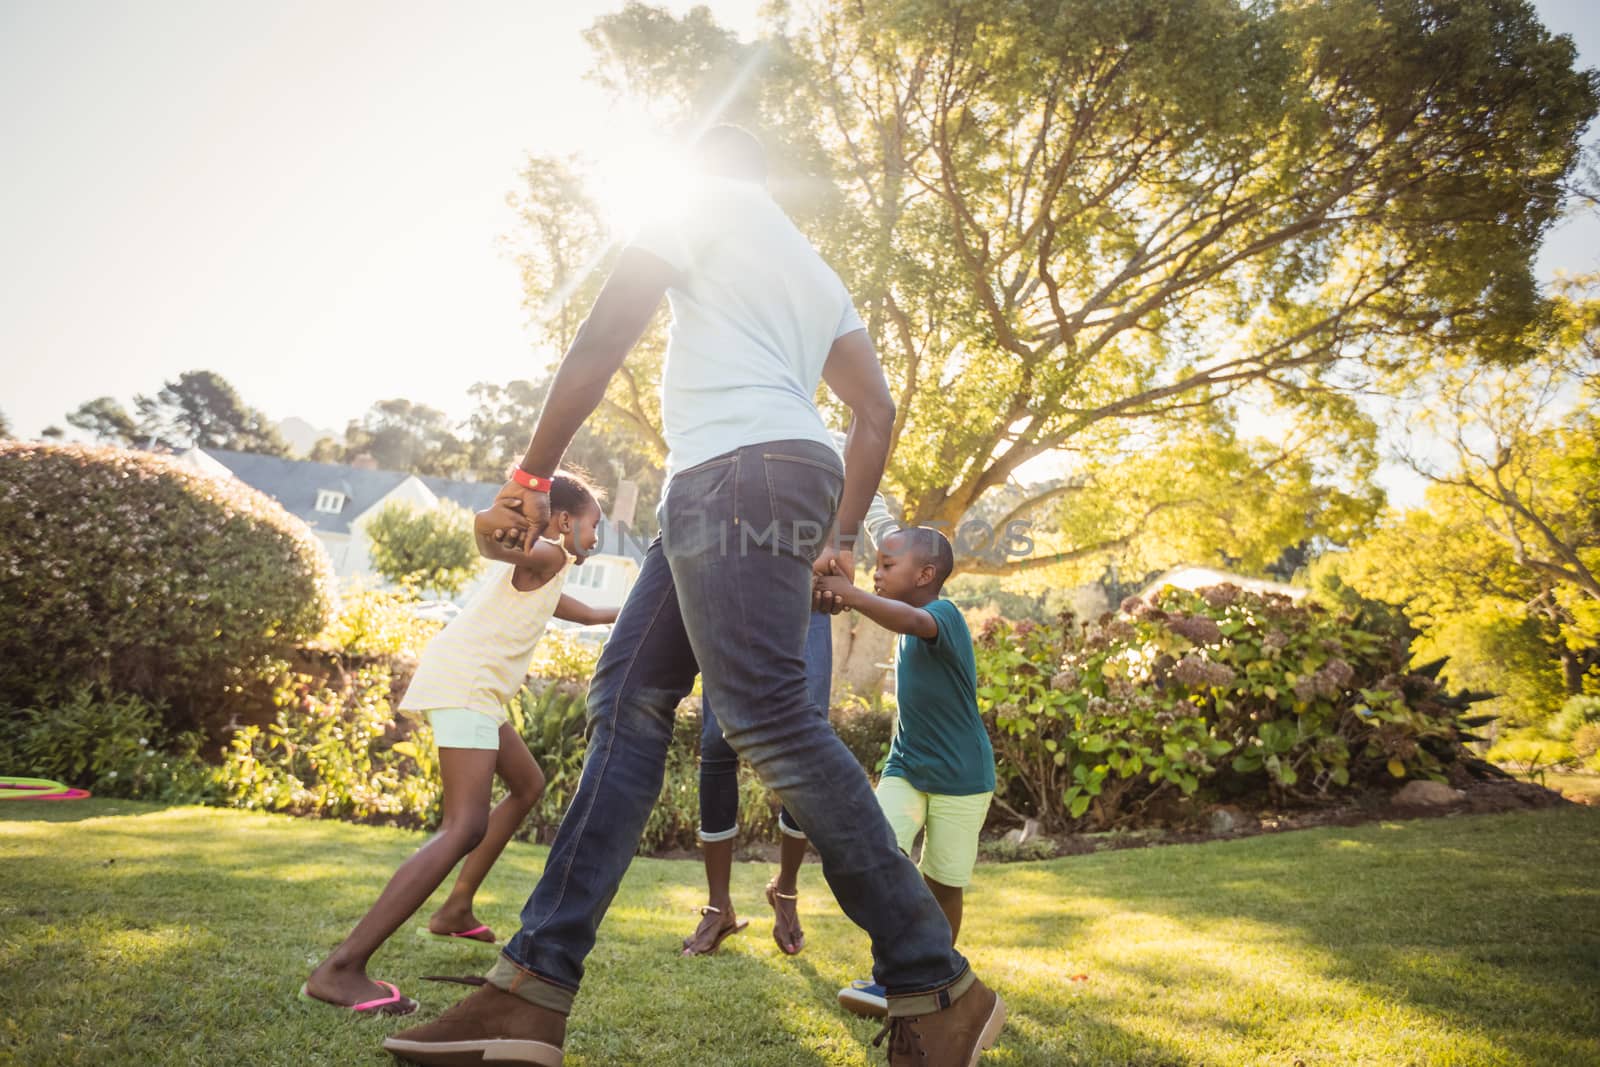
{"x": 463, "y": 728}
{"x": 952, "y": 823}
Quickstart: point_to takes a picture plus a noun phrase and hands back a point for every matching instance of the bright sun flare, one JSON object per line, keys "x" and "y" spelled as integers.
{"x": 640, "y": 182}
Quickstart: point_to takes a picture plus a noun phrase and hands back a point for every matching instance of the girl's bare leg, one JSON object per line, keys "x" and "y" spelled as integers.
{"x": 521, "y": 774}
{"x": 467, "y": 774}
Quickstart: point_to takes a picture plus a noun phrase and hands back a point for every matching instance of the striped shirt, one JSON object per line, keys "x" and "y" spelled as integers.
{"x": 479, "y": 660}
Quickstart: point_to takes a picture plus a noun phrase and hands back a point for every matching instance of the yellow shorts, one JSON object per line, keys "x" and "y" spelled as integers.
{"x": 461, "y": 728}
{"x": 950, "y": 846}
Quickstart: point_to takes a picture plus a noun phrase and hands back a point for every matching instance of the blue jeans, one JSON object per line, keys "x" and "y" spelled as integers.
{"x": 726, "y": 590}
{"x": 719, "y": 763}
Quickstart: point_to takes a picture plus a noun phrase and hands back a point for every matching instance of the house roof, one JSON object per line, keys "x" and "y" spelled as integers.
{"x": 296, "y": 483}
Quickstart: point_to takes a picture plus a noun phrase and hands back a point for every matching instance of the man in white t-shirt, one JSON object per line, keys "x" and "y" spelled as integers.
{"x": 756, "y": 503}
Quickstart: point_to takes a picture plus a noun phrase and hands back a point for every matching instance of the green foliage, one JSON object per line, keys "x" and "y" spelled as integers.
{"x": 1081, "y": 198}
{"x": 552, "y": 723}
{"x": 1575, "y": 714}
{"x": 1568, "y": 739}
{"x": 112, "y": 744}
{"x": 137, "y": 573}
{"x": 331, "y": 753}
{"x": 561, "y": 657}
{"x": 107, "y": 420}
{"x": 402, "y": 435}
{"x": 1501, "y": 567}
{"x": 1223, "y": 691}
{"x": 432, "y": 549}
{"x": 866, "y": 728}
{"x": 376, "y": 623}
{"x": 198, "y": 410}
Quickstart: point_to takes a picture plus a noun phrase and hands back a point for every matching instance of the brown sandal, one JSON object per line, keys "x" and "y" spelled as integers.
{"x": 723, "y": 932}
{"x": 773, "y": 896}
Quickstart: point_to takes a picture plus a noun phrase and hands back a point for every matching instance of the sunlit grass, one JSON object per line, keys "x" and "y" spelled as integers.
{"x": 134, "y": 934}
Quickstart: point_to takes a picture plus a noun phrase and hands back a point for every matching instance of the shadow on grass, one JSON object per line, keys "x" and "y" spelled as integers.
{"x": 1490, "y": 935}
{"x": 72, "y": 810}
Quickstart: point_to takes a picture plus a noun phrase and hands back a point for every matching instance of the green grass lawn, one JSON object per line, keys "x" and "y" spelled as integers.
{"x": 136, "y": 934}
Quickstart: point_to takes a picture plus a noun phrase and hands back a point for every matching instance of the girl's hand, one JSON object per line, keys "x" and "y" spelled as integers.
{"x": 508, "y": 529}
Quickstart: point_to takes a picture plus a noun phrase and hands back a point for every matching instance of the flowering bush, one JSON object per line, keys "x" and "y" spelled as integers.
{"x": 1218, "y": 689}
{"x": 136, "y": 573}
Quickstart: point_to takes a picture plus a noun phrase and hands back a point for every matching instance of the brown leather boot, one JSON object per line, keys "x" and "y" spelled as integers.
{"x": 954, "y": 1037}
{"x": 488, "y": 1026}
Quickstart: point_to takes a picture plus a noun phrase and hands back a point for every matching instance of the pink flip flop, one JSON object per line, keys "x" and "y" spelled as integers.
{"x": 463, "y": 935}
{"x": 393, "y": 1004}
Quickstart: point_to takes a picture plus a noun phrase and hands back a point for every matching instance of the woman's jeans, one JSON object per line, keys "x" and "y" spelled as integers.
{"x": 725, "y": 591}
{"x": 719, "y": 763}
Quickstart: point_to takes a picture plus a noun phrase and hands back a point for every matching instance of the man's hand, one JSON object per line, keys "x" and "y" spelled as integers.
{"x": 830, "y": 591}
{"x": 832, "y": 562}
{"x": 508, "y": 529}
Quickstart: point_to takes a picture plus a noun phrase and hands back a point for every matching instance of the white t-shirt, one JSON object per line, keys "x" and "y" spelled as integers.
{"x": 754, "y": 312}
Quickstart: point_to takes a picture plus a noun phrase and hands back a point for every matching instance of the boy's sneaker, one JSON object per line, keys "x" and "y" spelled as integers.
{"x": 865, "y": 997}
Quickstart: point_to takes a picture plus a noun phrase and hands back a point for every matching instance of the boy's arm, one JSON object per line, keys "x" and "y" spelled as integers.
{"x": 893, "y": 615}
{"x": 569, "y": 609}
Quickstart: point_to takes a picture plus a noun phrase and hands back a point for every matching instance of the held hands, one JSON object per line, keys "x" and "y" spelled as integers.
{"x": 509, "y": 528}
{"x": 832, "y": 578}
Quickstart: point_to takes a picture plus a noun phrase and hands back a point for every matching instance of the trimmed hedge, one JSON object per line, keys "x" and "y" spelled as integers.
{"x": 139, "y": 574}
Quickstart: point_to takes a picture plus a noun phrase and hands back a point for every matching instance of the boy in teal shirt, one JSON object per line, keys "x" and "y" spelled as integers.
{"x": 940, "y": 772}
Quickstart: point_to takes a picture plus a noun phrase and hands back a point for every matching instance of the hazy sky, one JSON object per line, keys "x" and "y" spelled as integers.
{"x": 306, "y": 197}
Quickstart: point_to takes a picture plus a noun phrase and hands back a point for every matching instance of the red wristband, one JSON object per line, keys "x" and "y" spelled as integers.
{"x": 530, "y": 481}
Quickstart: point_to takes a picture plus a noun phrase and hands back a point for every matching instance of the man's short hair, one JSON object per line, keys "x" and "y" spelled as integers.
{"x": 929, "y": 546}
{"x": 731, "y": 152}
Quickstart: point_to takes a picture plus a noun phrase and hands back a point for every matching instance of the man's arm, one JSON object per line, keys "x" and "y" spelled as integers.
{"x": 853, "y": 373}
{"x": 620, "y": 314}
{"x": 893, "y": 615}
{"x": 571, "y": 610}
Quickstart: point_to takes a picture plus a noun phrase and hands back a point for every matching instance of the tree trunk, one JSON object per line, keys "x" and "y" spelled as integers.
{"x": 859, "y": 647}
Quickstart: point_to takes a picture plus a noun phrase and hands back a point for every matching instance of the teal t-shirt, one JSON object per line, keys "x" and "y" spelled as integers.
{"x": 940, "y": 745}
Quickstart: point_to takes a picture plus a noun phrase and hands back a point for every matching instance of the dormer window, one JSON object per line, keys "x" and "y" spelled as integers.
{"x": 330, "y": 501}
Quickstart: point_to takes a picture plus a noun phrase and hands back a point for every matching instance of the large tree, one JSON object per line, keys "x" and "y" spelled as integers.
{"x": 1071, "y": 226}
{"x": 199, "y": 409}
{"x": 403, "y": 435}
{"x": 1501, "y": 568}
{"x": 202, "y": 410}
{"x": 107, "y": 420}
